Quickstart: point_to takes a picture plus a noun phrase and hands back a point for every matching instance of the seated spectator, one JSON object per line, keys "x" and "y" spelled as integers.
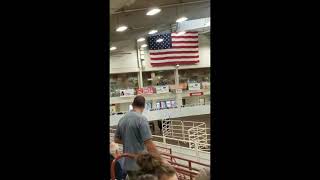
{"x": 153, "y": 164}
{"x": 204, "y": 174}
{"x": 114, "y": 153}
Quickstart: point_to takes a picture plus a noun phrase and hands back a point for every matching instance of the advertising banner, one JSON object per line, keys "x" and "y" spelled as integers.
{"x": 126, "y": 92}
{"x": 148, "y": 90}
{"x": 162, "y": 89}
{"x": 206, "y": 85}
{"x": 145, "y": 90}
{"x": 196, "y": 94}
{"x": 194, "y": 86}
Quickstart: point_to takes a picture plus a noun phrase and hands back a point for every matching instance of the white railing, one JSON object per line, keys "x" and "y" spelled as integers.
{"x": 186, "y": 152}
{"x": 198, "y": 137}
{"x": 178, "y": 129}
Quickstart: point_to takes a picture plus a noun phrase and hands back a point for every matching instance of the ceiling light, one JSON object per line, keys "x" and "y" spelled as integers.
{"x": 121, "y": 28}
{"x": 152, "y": 31}
{"x": 159, "y": 40}
{"x": 181, "y": 33}
{"x": 113, "y": 48}
{"x": 153, "y": 12}
{"x": 144, "y": 45}
{"x": 140, "y": 39}
{"x": 181, "y": 19}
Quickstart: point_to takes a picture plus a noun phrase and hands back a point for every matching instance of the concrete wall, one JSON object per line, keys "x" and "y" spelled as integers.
{"x": 122, "y": 63}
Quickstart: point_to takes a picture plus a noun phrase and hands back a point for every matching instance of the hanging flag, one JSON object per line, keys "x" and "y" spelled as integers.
{"x": 174, "y": 48}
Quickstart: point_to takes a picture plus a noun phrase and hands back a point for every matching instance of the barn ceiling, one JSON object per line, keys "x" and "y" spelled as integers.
{"x": 132, "y": 13}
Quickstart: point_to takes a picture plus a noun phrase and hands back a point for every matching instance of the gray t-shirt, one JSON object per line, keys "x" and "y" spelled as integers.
{"x": 133, "y": 129}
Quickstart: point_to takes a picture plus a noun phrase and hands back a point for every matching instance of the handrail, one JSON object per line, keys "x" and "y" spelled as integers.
{"x": 195, "y": 162}
{"x": 188, "y": 172}
{"x": 155, "y": 109}
{"x": 187, "y": 141}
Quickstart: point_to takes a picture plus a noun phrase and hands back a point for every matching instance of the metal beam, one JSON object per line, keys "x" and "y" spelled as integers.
{"x": 163, "y": 6}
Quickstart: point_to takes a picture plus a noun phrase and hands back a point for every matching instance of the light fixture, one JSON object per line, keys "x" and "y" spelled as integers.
{"x": 144, "y": 45}
{"x": 181, "y": 33}
{"x": 141, "y": 39}
{"x": 153, "y": 31}
{"x": 121, "y": 28}
{"x": 207, "y": 24}
{"x": 113, "y": 48}
{"x": 159, "y": 40}
{"x": 153, "y": 11}
{"x": 181, "y": 19}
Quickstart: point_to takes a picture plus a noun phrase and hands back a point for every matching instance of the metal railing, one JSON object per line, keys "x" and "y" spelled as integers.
{"x": 183, "y": 172}
{"x": 188, "y": 136}
{"x": 157, "y": 109}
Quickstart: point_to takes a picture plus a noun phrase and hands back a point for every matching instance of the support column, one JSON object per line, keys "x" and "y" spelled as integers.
{"x": 178, "y": 95}
{"x": 140, "y": 78}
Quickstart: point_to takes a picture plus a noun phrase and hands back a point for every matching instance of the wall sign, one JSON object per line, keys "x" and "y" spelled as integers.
{"x": 126, "y": 92}
{"x": 178, "y": 91}
{"x": 139, "y": 91}
{"x": 194, "y": 86}
{"x": 148, "y": 90}
{"x": 162, "y": 89}
{"x": 145, "y": 90}
{"x": 196, "y": 94}
{"x": 206, "y": 85}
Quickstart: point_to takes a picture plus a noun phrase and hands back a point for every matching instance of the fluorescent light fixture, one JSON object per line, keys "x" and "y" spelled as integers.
{"x": 181, "y": 33}
{"x": 159, "y": 40}
{"x": 113, "y": 48}
{"x": 181, "y": 19}
{"x": 121, "y": 28}
{"x": 153, "y": 31}
{"x": 144, "y": 45}
{"x": 141, "y": 39}
{"x": 153, "y": 11}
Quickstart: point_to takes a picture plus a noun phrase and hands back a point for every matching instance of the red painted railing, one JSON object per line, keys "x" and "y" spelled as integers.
{"x": 183, "y": 171}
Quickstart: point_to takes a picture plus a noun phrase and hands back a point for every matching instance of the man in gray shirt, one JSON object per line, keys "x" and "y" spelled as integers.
{"x": 134, "y": 133}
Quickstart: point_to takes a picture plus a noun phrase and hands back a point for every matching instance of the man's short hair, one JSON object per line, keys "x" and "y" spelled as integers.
{"x": 114, "y": 148}
{"x": 139, "y": 101}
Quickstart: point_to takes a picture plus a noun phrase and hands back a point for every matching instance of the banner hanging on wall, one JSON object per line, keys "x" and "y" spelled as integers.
{"x": 145, "y": 90}
{"x": 162, "y": 89}
{"x": 206, "y": 85}
{"x": 194, "y": 86}
{"x": 126, "y": 92}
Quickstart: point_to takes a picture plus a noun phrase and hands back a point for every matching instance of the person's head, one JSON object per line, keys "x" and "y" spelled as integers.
{"x": 114, "y": 149}
{"x": 204, "y": 174}
{"x": 152, "y": 164}
{"x": 139, "y": 103}
{"x": 166, "y": 172}
{"x": 147, "y": 177}
{"x": 148, "y": 162}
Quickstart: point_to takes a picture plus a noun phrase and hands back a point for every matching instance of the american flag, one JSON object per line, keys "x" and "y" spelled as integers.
{"x": 174, "y": 49}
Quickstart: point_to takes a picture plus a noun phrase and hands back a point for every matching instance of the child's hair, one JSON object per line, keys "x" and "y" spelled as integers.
{"x": 148, "y": 162}
{"x": 165, "y": 171}
{"x": 147, "y": 177}
{"x": 204, "y": 174}
{"x": 152, "y": 164}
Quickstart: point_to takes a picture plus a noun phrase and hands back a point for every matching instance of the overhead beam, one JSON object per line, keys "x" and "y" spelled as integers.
{"x": 163, "y": 6}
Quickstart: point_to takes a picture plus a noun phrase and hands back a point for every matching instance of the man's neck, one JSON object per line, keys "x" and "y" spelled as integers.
{"x": 137, "y": 110}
